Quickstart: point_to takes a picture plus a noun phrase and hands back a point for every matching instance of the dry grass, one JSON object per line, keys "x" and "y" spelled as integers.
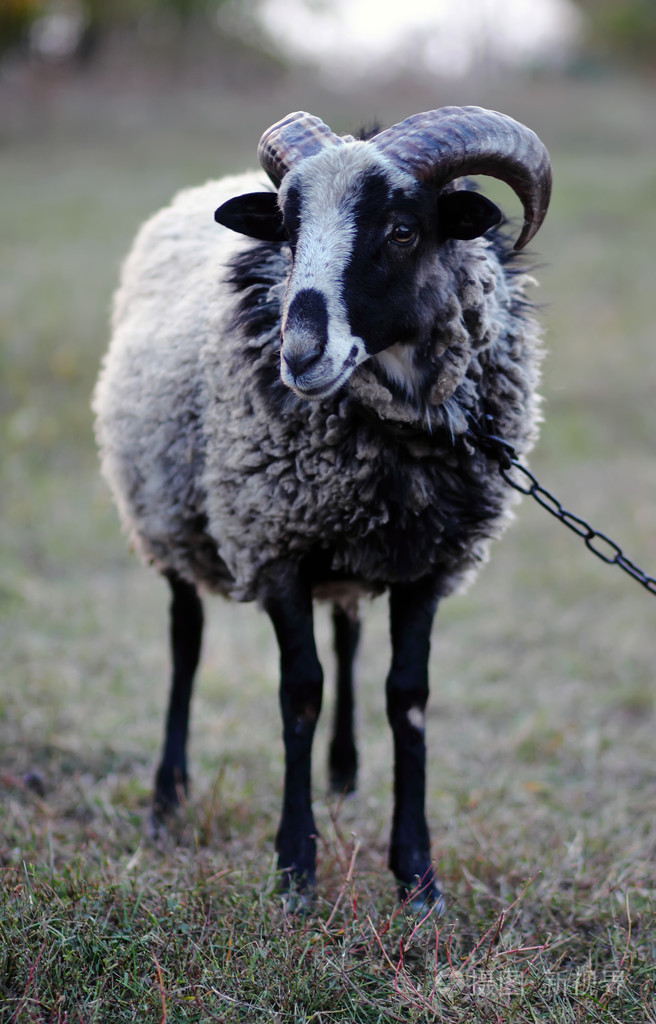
{"x": 541, "y": 730}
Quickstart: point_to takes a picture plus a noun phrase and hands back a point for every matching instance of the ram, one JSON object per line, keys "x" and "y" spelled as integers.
{"x": 289, "y": 407}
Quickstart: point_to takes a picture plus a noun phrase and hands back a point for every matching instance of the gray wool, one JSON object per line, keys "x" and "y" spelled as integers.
{"x": 211, "y": 484}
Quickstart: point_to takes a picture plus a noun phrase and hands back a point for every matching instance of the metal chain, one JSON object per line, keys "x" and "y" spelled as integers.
{"x": 596, "y": 541}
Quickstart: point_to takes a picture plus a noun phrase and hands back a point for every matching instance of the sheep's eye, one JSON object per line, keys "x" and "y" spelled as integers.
{"x": 402, "y": 234}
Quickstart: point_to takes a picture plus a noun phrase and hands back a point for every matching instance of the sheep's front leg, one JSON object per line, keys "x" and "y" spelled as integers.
{"x": 342, "y": 754}
{"x": 289, "y": 605}
{"x": 186, "y": 631}
{"x": 412, "y": 610}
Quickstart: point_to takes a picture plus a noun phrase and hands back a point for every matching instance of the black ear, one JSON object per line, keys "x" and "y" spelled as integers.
{"x": 256, "y": 215}
{"x": 466, "y": 215}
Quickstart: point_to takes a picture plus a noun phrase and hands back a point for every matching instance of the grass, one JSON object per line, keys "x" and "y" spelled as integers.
{"x": 541, "y": 726}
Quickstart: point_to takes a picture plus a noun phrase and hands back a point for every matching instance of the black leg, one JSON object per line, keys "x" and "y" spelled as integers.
{"x": 342, "y": 754}
{"x": 412, "y": 609}
{"x": 288, "y": 601}
{"x": 186, "y": 630}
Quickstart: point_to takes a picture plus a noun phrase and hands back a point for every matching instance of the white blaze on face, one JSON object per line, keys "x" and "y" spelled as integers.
{"x": 315, "y": 361}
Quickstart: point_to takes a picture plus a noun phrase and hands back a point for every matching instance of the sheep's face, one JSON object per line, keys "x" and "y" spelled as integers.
{"x": 366, "y": 239}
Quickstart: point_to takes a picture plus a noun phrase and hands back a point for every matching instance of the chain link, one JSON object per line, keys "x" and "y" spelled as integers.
{"x": 522, "y": 480}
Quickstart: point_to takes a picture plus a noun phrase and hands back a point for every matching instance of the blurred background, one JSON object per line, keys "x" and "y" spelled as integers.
{"x": 545, "y": 668}
{"x": 439, "y": 36}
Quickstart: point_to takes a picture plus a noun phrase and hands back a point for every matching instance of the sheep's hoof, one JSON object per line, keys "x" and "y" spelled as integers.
{"x": 171, "y": 786}
{"x": 170, "y": 794}
{"x": 298, "y": 893}
{"x": 342, "y": 770}
{"x": 157, "y": 827}
{"x": 343, "y": 783}
{"x": 298, "y": 902}
{"x": 425, "y": 900}
{"x": 35, "y": 782}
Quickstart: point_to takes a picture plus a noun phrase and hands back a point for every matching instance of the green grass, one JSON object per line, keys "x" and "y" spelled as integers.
{"x": 541, "y": 728}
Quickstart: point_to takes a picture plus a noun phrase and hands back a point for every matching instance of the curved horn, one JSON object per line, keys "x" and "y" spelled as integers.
{"x": 444, "y": 144}
{"x": 295, "y": 137}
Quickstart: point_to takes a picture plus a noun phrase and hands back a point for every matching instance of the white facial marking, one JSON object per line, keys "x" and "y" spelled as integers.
{"x": 417, "y": 718}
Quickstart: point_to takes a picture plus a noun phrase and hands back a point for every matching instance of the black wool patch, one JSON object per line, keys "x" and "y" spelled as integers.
{"x": 291, "y": 214}
{"x": 380, "y": 279}
{"x": 308, "y": 310}
{"x": 257, "y": 317}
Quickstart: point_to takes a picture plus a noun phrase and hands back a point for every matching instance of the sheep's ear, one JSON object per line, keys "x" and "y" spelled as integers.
{"x": 256, "y": 215}
{"x": 466, "y": 215}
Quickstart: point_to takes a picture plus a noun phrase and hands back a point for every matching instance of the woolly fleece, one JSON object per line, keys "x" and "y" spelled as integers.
{"x": 218, "y": 470}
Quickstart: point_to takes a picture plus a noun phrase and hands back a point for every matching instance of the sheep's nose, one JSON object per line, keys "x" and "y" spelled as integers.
{"x": 305, "y": 332}
{"x": 300, "y": 361}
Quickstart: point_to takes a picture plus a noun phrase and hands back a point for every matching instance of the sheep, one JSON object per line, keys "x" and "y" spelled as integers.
{"x": 288, "y": 411}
